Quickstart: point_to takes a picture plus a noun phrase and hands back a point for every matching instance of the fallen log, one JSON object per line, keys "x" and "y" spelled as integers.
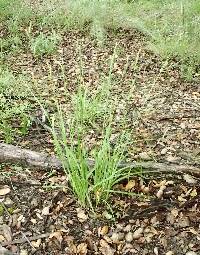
{"x": 15, "y": 155}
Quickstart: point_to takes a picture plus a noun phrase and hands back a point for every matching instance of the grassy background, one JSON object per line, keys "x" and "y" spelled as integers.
{"x": 172, "y": 25}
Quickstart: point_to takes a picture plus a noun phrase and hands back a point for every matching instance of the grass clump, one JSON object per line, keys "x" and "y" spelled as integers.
{"x": 44, "y": 44}
{"x": 91, "y": 184}
{"x": 12, "y": 85}
{"x": 14, "y": 118}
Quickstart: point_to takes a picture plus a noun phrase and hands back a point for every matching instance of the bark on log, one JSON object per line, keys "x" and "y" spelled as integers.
{"x": 16, "y": 155}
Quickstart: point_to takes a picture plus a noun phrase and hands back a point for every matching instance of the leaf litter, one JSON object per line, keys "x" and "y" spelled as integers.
{"x": 161, "y": 215}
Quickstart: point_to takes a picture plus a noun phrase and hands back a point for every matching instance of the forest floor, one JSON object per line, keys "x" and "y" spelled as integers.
{"x": 39, "y": 214}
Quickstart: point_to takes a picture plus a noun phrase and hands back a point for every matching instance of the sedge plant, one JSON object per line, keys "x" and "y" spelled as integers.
{"x": 92, "y": 183}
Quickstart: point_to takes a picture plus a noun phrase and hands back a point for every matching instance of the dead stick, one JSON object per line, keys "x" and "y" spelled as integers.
{"x": 16, "y": 155}
{"x": 26, "y": 239}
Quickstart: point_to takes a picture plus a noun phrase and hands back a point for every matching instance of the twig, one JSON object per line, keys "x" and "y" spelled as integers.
{"x": 26, "y": 239}
{"x": 29, "y": 241}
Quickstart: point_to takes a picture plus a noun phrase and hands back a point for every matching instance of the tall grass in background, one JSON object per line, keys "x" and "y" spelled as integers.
{"x": 172, "y": 26}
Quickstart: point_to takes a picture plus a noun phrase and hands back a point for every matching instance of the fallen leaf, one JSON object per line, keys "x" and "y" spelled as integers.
{"x": 105, "y": 248}
{"x": 193, "y": 193}
{"x": 34, "y": 221}
{"x": 174, "y": 212}
{"x": 164, "y": 151}
{"x": 181, "y": 199}
{"x": 57, "y": 235}
{"x": 130, "y": 185}
{"x": 129, "y": 237}
{"x": 170, "y": 253}
{"x": 172, "y": 159}
{"x": 183, "y": 222}
{"x": 23, "y": 252}
{"x": 2, "y": 238}
{"x": 156, "y": 250}
{"x": 193, "y": 231}
{"x": 81, "y": 249}
{"x": 107, "y": 215}
{"x": 4, "y": 251}
{"x": 4, "y": 191}
{"x": 104, "y": 230}
{"x": 159, "y": 194}
{"x": 45, "y": 210}
{"x": 189, "y": 179}
{"x": 116, "y": 237}
{"x": 36, "y": 244}
{"x": 138, "y": 233}
{"x": 39, "y": 216}
{"x": 7, "y": 232}
{"x": 191, "y": 253}
{"x": 81, "y": 215}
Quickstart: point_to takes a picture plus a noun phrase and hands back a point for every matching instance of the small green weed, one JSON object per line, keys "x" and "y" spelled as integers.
{"x": 44, "y": 44}
{"x": 14, "y": 107}
{"x": 7, "y": 131}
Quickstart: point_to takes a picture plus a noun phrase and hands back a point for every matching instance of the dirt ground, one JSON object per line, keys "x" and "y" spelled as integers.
{"x": 39, "y": 214}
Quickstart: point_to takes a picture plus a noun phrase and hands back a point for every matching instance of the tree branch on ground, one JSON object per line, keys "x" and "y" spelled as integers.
{"x": 15, "y": 155}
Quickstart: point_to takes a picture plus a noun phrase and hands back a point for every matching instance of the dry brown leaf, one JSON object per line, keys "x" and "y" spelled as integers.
{"x": 81, "y": 215}
{"x": 159, "y": 194}
{"x": 117, "y": 237}
{"x": 181, "y": 199}
{"x": 130, "y": 185}
{"x": 4, "y": 251}
{"x": 2, "y": 238}
{"x": 23, "y": 252}
{"x": 144, "y": 156}
{"x": 7, "y": 232}
{"x": 57, "y": 235}
{"x": 189, "y": 179}
{"x": 54, "y": 179}
{"x": 105, "y": 248}
{"x": 170, "y": 218}
{"x": 36, "y": 244}
{"x": 172, "y": 159}
{"x": 193, "y": 231}
{"x": 59, "y": 207}
{"x": 45, "y": 210}
{"x": 193, "y": 193}
{"x": 170, "y": 253}
{"x": 107, "y": 239}
{"x": 159, "y": 184}
{"x": 129, "y": 237}
{"x": 104, "y": 230}
{"x": 138, "y": 233}
{"x": 148, "y": 237}
{"x": 183, "y": 222}
{"x": 34, "y": 221}
{"x": 39, "y": 216}
{"x": 174, "y": 212}
{"x": 4, "y": 191}
{"x": 81, "y": 249}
